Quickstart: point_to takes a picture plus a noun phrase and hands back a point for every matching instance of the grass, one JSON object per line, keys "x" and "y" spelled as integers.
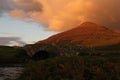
{"x": 73, "y": 68}
{"x": 112, "y": 50}
{"x": 10, "y": 55}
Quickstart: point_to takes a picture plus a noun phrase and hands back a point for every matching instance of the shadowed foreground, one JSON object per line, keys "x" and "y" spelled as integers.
{"x": 74, "y": 68}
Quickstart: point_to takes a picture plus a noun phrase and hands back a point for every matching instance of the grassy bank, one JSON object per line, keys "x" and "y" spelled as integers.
{"x": 74, "y": 68}
{"x": 10, "y": 55}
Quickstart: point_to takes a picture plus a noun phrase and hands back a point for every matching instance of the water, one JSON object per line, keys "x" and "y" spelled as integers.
{"x": 10, "y": 73}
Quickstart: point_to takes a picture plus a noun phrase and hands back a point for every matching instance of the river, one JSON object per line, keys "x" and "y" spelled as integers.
{"x": 10, "y": 73}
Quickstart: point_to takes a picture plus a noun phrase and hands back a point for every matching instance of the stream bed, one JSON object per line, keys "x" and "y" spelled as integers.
{"x": 10, "y": 73}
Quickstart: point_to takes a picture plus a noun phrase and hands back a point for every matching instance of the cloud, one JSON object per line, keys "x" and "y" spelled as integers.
{"x": 6, "y": 5}
{"x": 60, "y": 15}
{"x": 11, "y": 41}
{"x": 17, "y": 14}
{"x": 28, "y": 5}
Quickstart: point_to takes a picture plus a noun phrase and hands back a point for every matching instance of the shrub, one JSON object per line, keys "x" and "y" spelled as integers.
{"x": 73, "y": 68}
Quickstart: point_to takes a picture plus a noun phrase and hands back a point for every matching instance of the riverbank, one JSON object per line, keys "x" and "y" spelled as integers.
{"x": 10, "y": 73}
{"x": 12, "y": 65}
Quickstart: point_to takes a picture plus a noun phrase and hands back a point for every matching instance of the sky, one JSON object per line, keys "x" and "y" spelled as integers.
{"x": 28, "y": 21}
{"x": 15, "y": 32}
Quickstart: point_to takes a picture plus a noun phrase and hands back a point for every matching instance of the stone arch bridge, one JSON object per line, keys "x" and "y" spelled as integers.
{"x": 34, "y": 48}
{"x": 54, "y": 49}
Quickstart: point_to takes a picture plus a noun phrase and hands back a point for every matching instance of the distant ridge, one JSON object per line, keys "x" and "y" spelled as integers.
{"x": 87, "y": 34}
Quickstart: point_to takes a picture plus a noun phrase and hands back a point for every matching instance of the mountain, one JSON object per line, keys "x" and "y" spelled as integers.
{"x": 87, "y": 34}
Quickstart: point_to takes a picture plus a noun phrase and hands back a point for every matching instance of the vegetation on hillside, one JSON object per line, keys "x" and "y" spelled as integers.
{"x": 74, "y": 68}
{"x": 10, "y": 55}
{"x": 111, "y": 50}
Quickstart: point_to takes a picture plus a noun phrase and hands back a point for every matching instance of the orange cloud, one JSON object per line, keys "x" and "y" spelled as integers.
{"x": 17, "y": 14}
{"x": 62, "y": 15}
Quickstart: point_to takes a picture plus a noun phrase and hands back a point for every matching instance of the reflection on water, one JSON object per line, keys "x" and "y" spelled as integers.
{"x": 10, "y": 73}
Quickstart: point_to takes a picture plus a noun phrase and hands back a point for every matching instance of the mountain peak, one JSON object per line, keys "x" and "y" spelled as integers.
{"x": 87, "y": 34}
{"x": 88, "y": 23}
{"x": 91, "y": 25}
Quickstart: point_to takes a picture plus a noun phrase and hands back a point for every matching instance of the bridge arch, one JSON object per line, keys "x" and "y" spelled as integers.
{"x": 40, "y": 55}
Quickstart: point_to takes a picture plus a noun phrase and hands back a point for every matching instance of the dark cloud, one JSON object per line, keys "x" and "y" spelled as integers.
{"x": 11, "y": 41}
{"x": 105, "y": 12}
{"x": 6, "y": 5}
{"x": 28, "y": 5}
